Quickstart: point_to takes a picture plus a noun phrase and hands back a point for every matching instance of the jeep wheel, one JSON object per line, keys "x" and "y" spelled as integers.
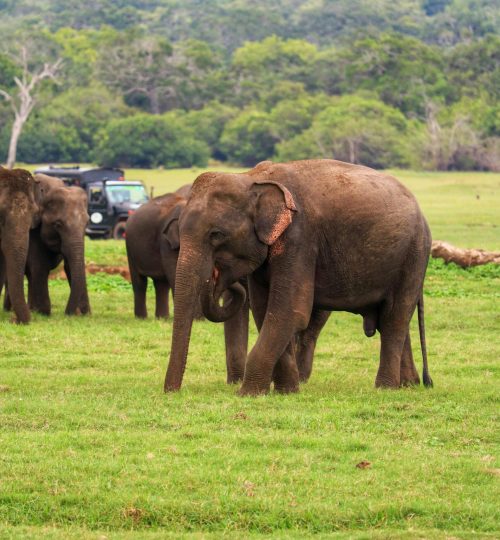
{"x": 119, "y": 230}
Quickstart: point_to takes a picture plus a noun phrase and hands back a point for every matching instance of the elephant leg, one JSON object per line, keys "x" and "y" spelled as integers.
{"x": 236, "y": 339}
{"x": 408, "y": 373}
{"x": 394, "y": 324}
{"x": 38, "y": 290}
{"x": 161, "y": 294}
{"x": 306, "y": 343}
{"x": 7, "y": 304}
{"x": 2, "y": 272}
{"x": 285, "y": 373}
{"x": 272, "y": 358}
{"x": 139, "y": 285}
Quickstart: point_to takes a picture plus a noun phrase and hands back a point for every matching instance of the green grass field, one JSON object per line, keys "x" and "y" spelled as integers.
{"x": 90, "y": 447}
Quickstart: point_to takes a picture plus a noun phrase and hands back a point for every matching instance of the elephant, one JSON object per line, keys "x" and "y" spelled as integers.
{"x": 60, "y": 236}
{"x": 151, "y": 252}
{"x": 309, "y": 235}
{"x": 152, "y": 243}
{"x": 18, "y": 213}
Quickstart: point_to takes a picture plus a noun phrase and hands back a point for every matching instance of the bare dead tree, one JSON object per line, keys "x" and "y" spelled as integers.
{"x": 23, "y": 99}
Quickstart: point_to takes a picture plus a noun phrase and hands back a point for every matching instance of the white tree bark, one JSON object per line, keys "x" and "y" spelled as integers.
{"x": 24, "y": 99}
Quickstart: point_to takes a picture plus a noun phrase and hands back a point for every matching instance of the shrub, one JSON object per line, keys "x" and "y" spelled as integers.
{"x": 144, "y": 140}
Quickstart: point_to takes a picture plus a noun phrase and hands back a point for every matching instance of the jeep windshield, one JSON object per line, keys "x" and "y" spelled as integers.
{"x": 126, "y": 194}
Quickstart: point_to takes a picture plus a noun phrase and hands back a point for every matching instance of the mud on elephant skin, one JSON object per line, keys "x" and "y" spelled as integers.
{"x": 59, "y": 236}
{"x": 310, "y": 235}
{"x": 18, "y": 213}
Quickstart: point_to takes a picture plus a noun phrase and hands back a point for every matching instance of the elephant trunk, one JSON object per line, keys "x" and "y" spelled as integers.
{"x": 74, "y": 257}
{"x": 15, "y": 242}
{"x": 234, "y": 298}
{"x": 191, "y": 271}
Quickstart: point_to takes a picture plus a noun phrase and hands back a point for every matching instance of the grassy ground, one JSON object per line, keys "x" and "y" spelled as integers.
{"x": 90, "y": 447}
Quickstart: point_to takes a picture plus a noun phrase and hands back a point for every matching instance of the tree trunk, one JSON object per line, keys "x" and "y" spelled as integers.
{"x": 463, "y": 257}
{"x": 17, "y": 127}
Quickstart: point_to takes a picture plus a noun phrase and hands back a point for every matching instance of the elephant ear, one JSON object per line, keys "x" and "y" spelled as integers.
{"x": 274, "y": 210}
{"x": 171, "y": 228}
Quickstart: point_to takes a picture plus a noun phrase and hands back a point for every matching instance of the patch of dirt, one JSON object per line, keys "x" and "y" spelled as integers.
{"x": 240, "y": 416}
{"x": 4, "y": 388}
{"x": 135, "y": 513}
{"x": 93, "y": 268}
{"x": 363, "y": 465}
{"x": 249, "y": 488}
{"x": 123, "y": 271}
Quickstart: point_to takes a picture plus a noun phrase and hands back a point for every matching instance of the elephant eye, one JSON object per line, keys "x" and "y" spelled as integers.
{"x": 217, "y": 237}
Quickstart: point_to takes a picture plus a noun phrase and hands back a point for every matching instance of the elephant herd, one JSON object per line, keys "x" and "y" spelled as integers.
{"x": 290, "y": 242}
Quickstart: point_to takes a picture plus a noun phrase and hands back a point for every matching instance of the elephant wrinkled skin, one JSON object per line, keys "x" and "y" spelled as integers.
{"x": 152, "y": 242}
{"x": 18, "y": 213}
{"x": 312, "y": 236}
{"x": 59, "y": 236}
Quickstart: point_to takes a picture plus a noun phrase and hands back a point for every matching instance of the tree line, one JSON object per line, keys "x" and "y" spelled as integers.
{"x": 130, "y": 96}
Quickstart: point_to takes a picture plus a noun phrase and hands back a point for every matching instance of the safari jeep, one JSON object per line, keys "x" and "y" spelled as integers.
{"x": 111, "y": 199}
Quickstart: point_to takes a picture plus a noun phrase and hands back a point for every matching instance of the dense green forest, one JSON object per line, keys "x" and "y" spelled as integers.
{"x": 174, "y": 83}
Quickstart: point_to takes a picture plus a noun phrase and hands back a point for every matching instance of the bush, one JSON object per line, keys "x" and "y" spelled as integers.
{"x": 356, "y": 129}
{"x": 147, "y": 141}
{"x": 249, "y": 138}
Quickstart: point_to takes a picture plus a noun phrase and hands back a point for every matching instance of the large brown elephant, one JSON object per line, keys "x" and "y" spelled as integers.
{"x": 59, "y": 236}
{"x": 18, "y": 213}
{"x": 152, "y": 243}
{"x": 310, "y": 235}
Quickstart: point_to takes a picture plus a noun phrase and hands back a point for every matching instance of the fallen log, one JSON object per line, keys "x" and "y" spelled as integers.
{"x": 463, "y": 257}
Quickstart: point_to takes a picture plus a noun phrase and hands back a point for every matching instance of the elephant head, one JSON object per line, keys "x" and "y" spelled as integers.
{"x": 63, "y": 219}
{"x": 229, "y": 227}
{"x": 18, "y": 213}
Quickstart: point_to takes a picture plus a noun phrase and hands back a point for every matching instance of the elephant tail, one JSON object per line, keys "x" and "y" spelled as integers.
{"x": 421, "y": 328}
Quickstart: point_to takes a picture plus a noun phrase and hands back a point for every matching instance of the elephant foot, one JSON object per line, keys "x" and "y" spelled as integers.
{"x": 286, "y": 382}
{"x": 234, "y": 378}
{"x": 41, "y": 310}
{"x": 168, "y": 388}
{"x": 383, "y": 381}
{"x": 19, "y": 320}
{"x": 304, "y": 376}
{"x": 286, "y": 389}
{"x": 409, "y": 378}
{"x": 253, "y": 390}
{"x": 85, "y": 310}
